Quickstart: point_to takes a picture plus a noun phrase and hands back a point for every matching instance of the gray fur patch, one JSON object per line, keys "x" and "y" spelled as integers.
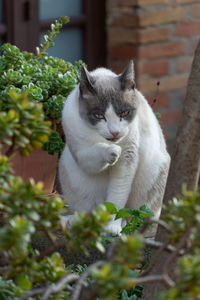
{"x": 106, "y": 90}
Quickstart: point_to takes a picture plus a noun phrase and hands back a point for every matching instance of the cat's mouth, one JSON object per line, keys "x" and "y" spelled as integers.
{"x": 114, "y": 139}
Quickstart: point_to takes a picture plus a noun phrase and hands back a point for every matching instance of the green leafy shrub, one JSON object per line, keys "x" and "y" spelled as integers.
{"x": 46, "y": 79}
{"x": 134, "y": 217}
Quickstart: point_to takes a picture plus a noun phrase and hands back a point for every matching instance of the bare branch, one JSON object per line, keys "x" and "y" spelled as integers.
{"x": 51, "y": 288}
{"x": 49, "y": 236}
{"x": 156, "y": 244}
{"x": 154, "y": 259}
{"x": 165, "y": 279}
{"x": 161, "y": 223}
{"x": 57, "y": 287}
{"x": 175, "y": 253}
{"x": 153, "y": 220}
{"x": 33, "y": 292}
{"x": 50, "y": 250}
{"x": 77, "y": 289}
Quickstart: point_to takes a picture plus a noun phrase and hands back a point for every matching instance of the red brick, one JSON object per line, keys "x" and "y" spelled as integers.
{"x": 162, "y": 50}
{"x": 168, "y": 83}
{"x": 123, "y": 52}
{"x": 151, "y": 51}
{"x": 186, "y": 1}
{"x": 118, "y": 66}
{"x": 193, "y": 45}
{"x": 188, "y": 28}
{"x": 153, "y": 35}
{"x": 142, "y": 2}
{"x": 196, "y": 11}
{"x": 161, "y": 16}
{"x": 184, "y": 64}
{"x": 124, "y": 20}
{"x": 153, "y": 68}
{"x": 117, "y": 36}
{"x": 159, "y": 101}
{"x": 170, "y": 117}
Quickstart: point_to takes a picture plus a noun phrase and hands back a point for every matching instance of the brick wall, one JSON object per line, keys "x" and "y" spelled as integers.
{"x": 160, "y": 36}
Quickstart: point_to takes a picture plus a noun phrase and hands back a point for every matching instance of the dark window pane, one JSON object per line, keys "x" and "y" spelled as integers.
{"x": 68, "y": 45}
{"x": 54, "y": 9}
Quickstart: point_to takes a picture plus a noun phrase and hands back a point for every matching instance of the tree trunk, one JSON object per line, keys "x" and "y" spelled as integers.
{"x": 185, "y": 163}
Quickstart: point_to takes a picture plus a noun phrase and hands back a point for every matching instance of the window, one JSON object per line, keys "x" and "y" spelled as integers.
{"x": 24, "y": 22}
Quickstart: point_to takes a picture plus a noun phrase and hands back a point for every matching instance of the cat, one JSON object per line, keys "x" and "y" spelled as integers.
{"x": 115, "y": 150}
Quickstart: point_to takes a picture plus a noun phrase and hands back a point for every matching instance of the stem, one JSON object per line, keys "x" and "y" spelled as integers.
{"x": 12, "y": 148}
{"x": 164, "y": 278}
{"x": 155, "y": 258}
{"x": 77, "y": 289}
{"x": 56, "y": 287}
{"x": 50, "y": 250}
{"x": 180, "y": 245}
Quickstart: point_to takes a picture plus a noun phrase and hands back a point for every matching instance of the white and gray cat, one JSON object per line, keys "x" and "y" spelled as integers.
{"x": 115, "y": 150}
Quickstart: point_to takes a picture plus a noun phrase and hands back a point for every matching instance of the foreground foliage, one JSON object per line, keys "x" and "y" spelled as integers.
{"x": 30, "y": 274}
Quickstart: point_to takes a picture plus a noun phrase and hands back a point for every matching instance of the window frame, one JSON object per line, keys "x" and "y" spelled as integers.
{"x": 22, "y": 26}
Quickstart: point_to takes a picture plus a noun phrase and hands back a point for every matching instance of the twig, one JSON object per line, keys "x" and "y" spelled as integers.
{"x": 164, "y": 278}
{"x": 4, "y": 269}
{"x": 78, "y": 286}
{"x": 50, "y": 238}
{"x": 51, "y": 288}
{"x": 175, "y": 253}
{"x": 33, "y": 292}
{"x": 56, "y": 287}
{"x": 50, "y": 250}
{"x": 12, "y": 148}
{"x": 161, "y": 223}
{"x": 154, "y": 259}
{"x": 156, "y": 244}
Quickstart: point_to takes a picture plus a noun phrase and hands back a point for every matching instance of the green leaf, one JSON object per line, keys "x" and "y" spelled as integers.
{"x": 111, "y": 207}
{"x": 23, "y": 281}
{"x": 124, "y": 213}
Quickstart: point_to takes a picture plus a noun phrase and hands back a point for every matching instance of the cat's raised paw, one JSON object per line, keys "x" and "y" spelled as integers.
{"x": 114, "y": 152}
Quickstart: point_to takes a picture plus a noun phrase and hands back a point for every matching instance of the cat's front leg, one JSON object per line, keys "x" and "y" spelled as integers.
{"x": 119, "y": 188}
{"x": 98, "y": 157}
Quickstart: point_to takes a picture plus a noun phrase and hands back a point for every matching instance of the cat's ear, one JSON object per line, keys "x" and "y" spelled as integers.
{"x": 86, "y": 83}
{"x": 127, "y": 78}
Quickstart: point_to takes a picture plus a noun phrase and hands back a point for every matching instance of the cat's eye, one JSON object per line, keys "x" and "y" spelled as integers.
{"x": 124, "y": 114}
{"x": 99, "y": 116}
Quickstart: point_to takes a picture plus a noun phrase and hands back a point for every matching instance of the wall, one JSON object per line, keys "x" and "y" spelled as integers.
{"x": 160, "y": 36}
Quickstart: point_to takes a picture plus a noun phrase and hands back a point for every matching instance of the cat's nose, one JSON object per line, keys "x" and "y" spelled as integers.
{"x": 114, "y": 133}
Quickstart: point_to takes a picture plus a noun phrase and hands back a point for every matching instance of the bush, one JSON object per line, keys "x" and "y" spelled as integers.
{"x": 47, "y": 80}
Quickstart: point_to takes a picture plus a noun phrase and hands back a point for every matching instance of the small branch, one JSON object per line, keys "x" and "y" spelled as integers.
{"x": 51, "y": 288}
{"x": 11, "y": 149}
{"x": 57, "y": 287}
{"x": 50, "y": 250}
{"x": 33, "y": 292}
{"x": 161, "y": 223}
{"x": 77, "y": 289}
{"x": 165, "y": 279}
{"x": 155, "y": 258}
{"x": 50, "y": 238}
{"x": 156, "y": 244}
{"x": 4, "y": 269}
{"x": 175, "y": 253}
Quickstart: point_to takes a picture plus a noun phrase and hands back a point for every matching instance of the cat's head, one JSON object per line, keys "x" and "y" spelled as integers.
{"x": 108, "y": 102}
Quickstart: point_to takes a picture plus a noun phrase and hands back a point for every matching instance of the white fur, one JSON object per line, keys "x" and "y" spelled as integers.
{"x": 93, "y": 170}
